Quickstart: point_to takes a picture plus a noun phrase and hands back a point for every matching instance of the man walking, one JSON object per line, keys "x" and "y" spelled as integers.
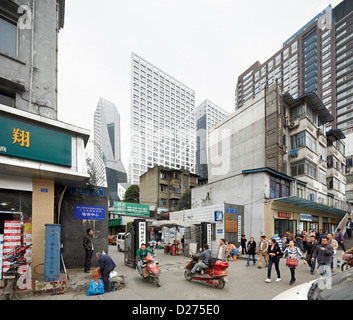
{"x": 263, "y": 246}
{"x": 88, "y": 246}
{"x": 310, "y": 248}
{"x": 222, "y": 250}
{"x": 349, "y": 227}
{"x": 323, "y": 253}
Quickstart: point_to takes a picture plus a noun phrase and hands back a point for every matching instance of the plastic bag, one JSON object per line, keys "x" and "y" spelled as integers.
{"x": 95, "y": 287}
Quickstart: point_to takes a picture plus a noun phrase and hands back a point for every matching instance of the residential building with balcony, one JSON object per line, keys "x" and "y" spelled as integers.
{"x": 162, "y": 188}
{"x": 273, "y": 156}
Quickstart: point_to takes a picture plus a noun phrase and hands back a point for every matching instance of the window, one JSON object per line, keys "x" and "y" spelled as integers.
{"x": 297, "y": 111}
{"x": 304, "y": 167}
{"x": 8, "y": 36}
{"x": 279, "y": 188}
{"x": 297, "y": 141}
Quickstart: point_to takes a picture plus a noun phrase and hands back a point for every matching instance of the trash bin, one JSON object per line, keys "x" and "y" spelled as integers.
{"x": 52, "y": 252}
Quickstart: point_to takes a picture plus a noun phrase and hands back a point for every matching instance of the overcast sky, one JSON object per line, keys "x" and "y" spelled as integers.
{"x": 205, "y": 44}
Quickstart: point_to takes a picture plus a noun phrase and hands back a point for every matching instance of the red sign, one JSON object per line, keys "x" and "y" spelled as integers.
{"x": 286, "y": 215}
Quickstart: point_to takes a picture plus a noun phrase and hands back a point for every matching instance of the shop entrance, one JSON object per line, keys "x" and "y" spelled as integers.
{"x": 282, "y": 225}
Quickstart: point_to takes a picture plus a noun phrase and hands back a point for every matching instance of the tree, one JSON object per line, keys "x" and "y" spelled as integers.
{"x": 132, "y": 194}
{"x": 185, "y": 201}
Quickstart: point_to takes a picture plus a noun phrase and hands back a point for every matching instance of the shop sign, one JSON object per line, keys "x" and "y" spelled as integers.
{"x": 89, "y": 212}
{"x": 285, "y": 215}
{"x": 29, "y": 141}
{"x": 131, "y": 209}
{"x": 305, "y": 217}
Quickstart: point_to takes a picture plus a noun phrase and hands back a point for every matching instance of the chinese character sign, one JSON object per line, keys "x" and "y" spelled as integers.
{"x": 21, "y": 137}
{"x": 89, "y": 212}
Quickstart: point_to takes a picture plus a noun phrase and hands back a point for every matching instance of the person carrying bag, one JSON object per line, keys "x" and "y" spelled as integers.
{"x": 292, "y": 259}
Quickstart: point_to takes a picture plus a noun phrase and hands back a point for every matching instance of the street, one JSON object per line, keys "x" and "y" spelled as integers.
{"x": 245, "y": 283}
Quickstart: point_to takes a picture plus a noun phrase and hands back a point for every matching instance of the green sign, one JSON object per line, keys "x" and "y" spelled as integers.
{"x": 131, "y": 209}
{"x": 24, "y": 140}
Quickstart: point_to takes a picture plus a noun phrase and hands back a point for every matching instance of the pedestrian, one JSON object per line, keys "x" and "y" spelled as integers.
{"x": 349, "y": 227}
{"x": 262, "y": 250}
{"x": 321, "y": 235}
{"x": 88, "y": 246}
{"x": 251, "y": 248}
{"x": 274, "y": 255}
{"x": 310, "y": 248}
{"x": 334, "y": 244}
{"x": 222, "y": 250}
{"x": 284, "y": 242}
{"x": 294, "y": 253}
{"x": 289, "y": 236}
{"x": 106, "y": 265}
{"x": 323, "y": 253}
{"x": 299, "y": 240}
{"x": 339, "y": 238}
{"x": 243, "y": 244}
{"x": 305, "y": 239}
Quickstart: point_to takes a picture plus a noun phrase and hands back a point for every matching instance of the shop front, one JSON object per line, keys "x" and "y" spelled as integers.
{"x": 38, "y": 158}
{"x": 293, "y": 213}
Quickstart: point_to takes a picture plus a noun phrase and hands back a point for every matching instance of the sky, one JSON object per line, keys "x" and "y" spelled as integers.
{"x": 204, "y": 44}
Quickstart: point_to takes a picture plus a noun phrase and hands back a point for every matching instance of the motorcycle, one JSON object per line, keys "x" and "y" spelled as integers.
{"x": 348, "y": 258}
{"x": 150, "y": 270}
{"x": 215, "y": 276}
{"x": 12, "y": 275}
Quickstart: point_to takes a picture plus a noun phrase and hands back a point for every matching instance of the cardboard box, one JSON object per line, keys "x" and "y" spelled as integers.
{"x": 145, "y": 272}
{"x": 96, "y": 273}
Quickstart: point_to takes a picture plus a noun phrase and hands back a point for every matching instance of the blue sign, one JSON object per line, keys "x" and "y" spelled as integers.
{"x": 43, "y": 190}
{"x": 232, "y": 210}
{"x": 218, "y": 216}
{"x": 89, "y": 212}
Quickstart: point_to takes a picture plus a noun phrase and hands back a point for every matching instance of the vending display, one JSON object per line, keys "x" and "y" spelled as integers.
{"x": 12, "y": 238}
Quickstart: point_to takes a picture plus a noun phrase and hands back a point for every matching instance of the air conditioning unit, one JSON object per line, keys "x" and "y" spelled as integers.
{"x": 286, "y": 122}
{"x": 294, "y": 124}
{"x": 319, "y": 131}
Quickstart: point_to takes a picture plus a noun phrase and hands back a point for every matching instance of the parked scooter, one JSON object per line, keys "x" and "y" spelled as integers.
{"x": 12, "y": 275}
{"x": 348, "y": 258}
{"x": 215, "y": 276}
{"x": 150, "y": 270}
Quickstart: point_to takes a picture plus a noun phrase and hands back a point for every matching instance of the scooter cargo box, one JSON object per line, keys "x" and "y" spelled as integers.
{"x": 220, "y": 265}
{"x": 145, "y": 272}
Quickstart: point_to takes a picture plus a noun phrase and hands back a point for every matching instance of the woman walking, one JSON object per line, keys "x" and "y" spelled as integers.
{"x": 251, "y": 250}
{"x": 274, "y": 255}
{"x": 292, "y": 260}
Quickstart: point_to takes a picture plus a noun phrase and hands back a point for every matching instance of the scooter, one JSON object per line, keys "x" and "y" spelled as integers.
{"x": 215, "y": 276}
{"x": 12, "y": 275}
{"x": 348, "y": 258}
{"x": 150, "y": 270}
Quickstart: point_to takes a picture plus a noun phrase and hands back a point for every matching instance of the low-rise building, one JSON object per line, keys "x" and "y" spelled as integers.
{"x": 163, "y": 187}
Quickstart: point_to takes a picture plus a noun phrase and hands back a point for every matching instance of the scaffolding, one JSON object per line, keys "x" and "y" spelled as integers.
{"x": 274, "y": 123}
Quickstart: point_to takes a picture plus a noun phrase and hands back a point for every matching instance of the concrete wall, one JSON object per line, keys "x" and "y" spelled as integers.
{"x": 238, "y": 142}
{"x": 246, "y": 190}
{"x": 74, "y": 230}
{"x": 43, "y": 81}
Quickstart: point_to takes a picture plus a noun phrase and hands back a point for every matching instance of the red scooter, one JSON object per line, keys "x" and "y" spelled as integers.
{"x": 150, "y": 270}
{"x": 348, "y": 258}
{"x": 215, "y": 276}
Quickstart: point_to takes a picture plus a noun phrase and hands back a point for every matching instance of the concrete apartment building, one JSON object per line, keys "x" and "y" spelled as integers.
{"x": 207, "y": 115}
{"x": 162, "y": 188}
{"x": 274, "y": 157}
{"x": 107, "y": 149}
{"x": 38, "y": 153}
{"x": 162, "y": 121}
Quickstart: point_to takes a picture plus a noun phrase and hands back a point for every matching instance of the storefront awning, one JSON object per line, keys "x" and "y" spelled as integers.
{"x": 296, "y": 201}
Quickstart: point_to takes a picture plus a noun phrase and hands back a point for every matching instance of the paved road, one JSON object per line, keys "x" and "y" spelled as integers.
{"x": 245, "y": 283}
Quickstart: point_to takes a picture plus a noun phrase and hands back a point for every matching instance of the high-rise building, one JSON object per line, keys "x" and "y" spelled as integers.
{"x": 107, "y": 150}
{"x": 317, "y": 58}
{"x": 207, "y": 115}
{"x": 162, "y": 121}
